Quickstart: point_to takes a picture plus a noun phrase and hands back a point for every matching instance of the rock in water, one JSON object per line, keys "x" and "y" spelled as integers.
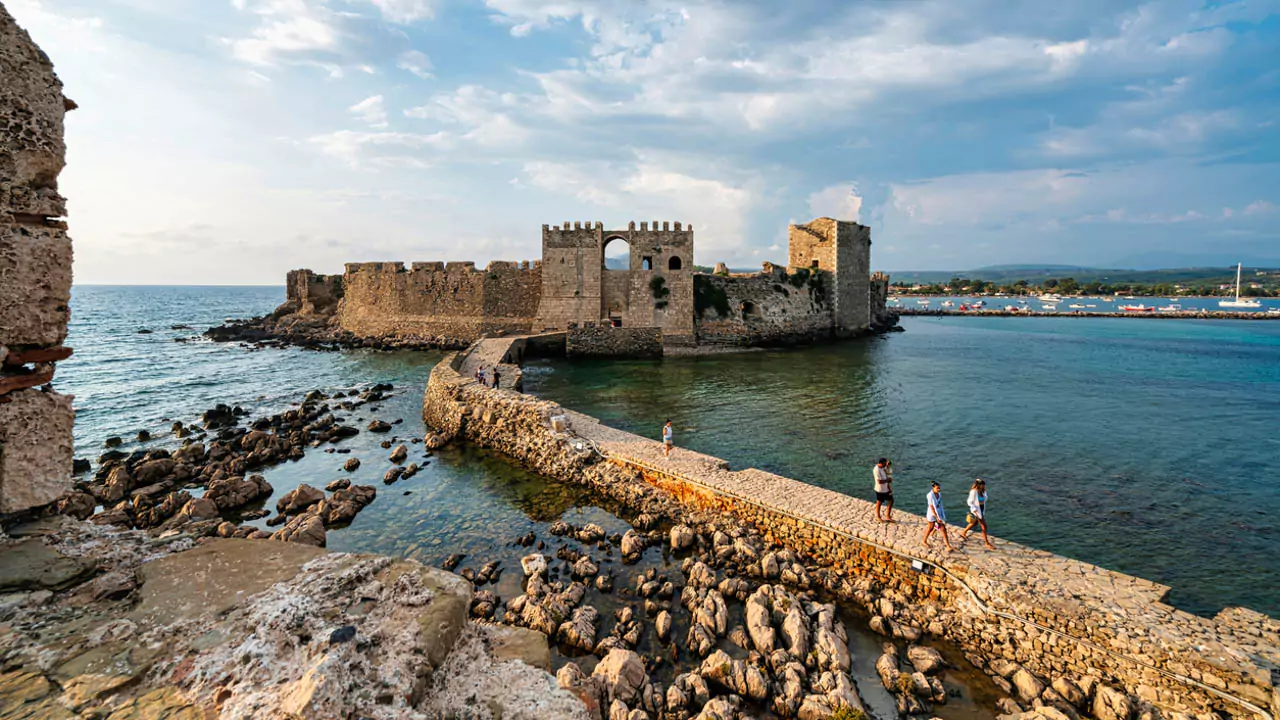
{"x": 351, "y": 465}
{"x": 399, "y": 454}
{"x": 535, "y": 564}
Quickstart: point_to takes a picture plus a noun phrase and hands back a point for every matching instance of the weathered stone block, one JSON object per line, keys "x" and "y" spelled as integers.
{"x": 35, "y": 449}
{"x": 31, "y": 112}
{"x": 35, "y": 284}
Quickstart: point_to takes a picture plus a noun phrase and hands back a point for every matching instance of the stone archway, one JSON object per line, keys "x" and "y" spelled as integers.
{"x": 617, "y": 253}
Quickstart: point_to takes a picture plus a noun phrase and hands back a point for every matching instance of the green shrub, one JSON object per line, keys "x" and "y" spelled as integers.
{"x": 707, "y": 295}
{"x": 844, "y": 712}
{"x": 658, "y": 286}
{"x": 799, "y": 278}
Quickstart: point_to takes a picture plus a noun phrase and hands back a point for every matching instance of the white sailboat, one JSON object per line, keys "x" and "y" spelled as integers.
{"x": 1238, "y": 303}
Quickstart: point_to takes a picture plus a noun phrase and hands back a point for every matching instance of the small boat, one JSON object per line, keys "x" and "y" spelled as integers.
{"x": 1138, "y": 308}
{"x": 948, "y": 303}
{"x": 1051, "y": 298}
{"x": 977, "y": 305}
{"x": 1273, "y": 311}
{"x": 1091, "y": 305}
{"x": 1172, "y": 307}
{"x": 923, "y": 301}
{"x": 1050, "y": 306}
{"x": 1238, "y": 303}
{"x": 1076, "y": 306}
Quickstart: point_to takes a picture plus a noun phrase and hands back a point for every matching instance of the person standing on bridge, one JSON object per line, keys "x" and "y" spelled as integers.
{"x": 977, "y": 511}
{"x": 881, "y": 473}
{"x": 935, "y": 516}
{"x": 668, "y": 441}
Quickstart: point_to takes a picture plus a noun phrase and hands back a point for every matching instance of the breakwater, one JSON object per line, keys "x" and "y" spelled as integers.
{"x": 1170, "y": 315}
{"x": 1044, "y": 625}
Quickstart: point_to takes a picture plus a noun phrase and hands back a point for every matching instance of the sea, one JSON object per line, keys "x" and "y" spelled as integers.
{"x": 1146, "y": 446}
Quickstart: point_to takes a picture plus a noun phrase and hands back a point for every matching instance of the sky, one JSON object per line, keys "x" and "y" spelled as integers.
{"x": 228, "y": 141}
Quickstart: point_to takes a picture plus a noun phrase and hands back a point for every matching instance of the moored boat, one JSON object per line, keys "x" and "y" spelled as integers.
{"x": 1138, "y": 308}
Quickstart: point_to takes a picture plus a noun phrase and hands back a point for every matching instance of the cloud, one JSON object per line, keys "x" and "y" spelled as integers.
{"x": 1259, "y": 207}
{"x": 838, "y": 201}
{"x": 416, "y": 62}
{"x": 285, "y": 28}
{"x": 371, "y": 111}
{"x": 405, "y": 12}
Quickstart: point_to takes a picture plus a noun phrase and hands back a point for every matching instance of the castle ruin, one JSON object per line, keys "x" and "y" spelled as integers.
{"x": 657, "y": 299}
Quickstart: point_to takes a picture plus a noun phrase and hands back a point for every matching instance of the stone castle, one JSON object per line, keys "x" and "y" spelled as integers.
{"x": 825, "y": 290}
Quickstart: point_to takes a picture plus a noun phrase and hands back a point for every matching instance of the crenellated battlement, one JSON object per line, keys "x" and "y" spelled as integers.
{"x": 453, "y": 267}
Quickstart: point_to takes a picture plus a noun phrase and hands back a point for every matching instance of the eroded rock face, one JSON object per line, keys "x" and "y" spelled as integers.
{"x": 237, "y": 491}
{"x": 299, "y": 499}
{"x": 35, "y": 276}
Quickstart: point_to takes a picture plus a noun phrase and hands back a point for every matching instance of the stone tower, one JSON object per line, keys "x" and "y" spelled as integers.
{"x": 35, "y": 276}
{"x": 842, "y": 249}
{"x": 655, "y": 290}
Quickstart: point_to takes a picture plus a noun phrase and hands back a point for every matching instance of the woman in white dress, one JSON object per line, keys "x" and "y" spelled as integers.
{"x": 977, "y": 511}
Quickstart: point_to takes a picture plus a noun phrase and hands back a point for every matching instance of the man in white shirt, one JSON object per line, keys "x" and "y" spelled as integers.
{"x": 935, "y": 516}
{"x": 884, "y": 489}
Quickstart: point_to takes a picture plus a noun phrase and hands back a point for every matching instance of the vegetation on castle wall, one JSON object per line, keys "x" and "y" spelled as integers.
{"x": 799, "y": 277}
{"x": 658, "y": 286}
{"x": 707, "y": 295}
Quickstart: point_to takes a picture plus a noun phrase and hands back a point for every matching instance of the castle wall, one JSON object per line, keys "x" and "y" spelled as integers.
{"x": 771, "y": 308}
{"x": 311, "y": 293}
{"x": 35, "y": 276}
{"x": 433, "y": 301}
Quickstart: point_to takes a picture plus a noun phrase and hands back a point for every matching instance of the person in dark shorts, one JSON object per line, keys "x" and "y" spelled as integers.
{"x": 668, "y": 441}
{"x": 884, "y": 489}
{"x": 496, "y": 377}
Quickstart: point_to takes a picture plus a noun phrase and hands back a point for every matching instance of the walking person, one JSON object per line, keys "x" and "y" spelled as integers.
{"x": 935, "y": 516}
{"x": 496, "y": 377}
{"x": 668, "y": 441}
{"x": 882, "y": 474}
{"x": 480, "y": 376}
{"x": 977, "y": 511}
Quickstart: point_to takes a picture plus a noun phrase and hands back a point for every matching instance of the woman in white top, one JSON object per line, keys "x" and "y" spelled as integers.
{"x": 977, "y": 511}
{"x": 935, "y": 516}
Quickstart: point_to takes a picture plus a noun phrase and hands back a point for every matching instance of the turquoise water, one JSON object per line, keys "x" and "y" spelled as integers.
{"x": 1147, "y": 446}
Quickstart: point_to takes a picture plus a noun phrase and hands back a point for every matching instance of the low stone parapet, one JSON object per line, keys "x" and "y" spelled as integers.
{"x": 614, "y": 342}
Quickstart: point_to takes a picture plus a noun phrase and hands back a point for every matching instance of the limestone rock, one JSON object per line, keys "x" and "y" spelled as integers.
{"x": 632, "y": 544}
{"x": 399, "y": 454}
{"x": 351, "y": 465}
{"x": 236, "y": 491}
{"x": 623, "y": 674}
{"x": 306, "y": 529}
{"x": 1029, "y": 686}
{"x": 1111, "y": 704}
{"x": 925, "y": 659}
{"x": 299, "y": 499}
{"x": 580, "y": 629}
{"x": 534, "y": 564}
{"x": 1070, "y": 692}
{"x": 662, "y": 625}
{"x": 682, "y": 537}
